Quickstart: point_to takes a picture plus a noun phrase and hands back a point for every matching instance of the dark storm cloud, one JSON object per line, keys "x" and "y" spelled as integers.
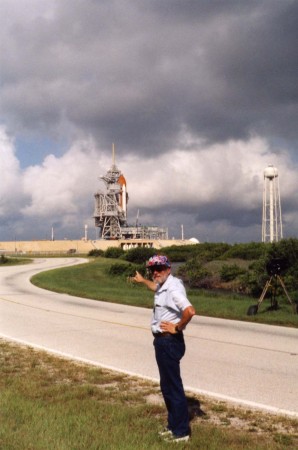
{"x": 139, "y": 72}
{"x": 199, "y": 97}
{"x": 224, "y": 210}
{"x": 259, "y": 65}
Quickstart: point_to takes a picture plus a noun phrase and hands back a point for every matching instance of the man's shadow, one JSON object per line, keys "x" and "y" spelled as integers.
{"x": 194, "y": 408}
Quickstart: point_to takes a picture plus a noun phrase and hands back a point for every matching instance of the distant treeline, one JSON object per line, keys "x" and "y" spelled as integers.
{"x": 238, "y": 267}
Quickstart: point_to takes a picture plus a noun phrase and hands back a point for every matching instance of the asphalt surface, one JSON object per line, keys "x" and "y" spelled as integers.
{"x": 250, "y": 364}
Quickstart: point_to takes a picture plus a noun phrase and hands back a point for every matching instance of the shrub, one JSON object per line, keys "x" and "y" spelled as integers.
{"x": 195, "y": 274}
{"x": 179, "y": 253}
{"x": 127, "y": 270}
{"x": 113, "y": 252}
{"x": 210, "y": 251}
{"x": 139, "y": 255}
{"x": 118, "y": 269}
{"x": 96, "y": 252}
{"x": 3, "y": 259}
{"x": 253, "y": 250}
{"x": 230, "y": 272}
{"x": 205, "y": 251}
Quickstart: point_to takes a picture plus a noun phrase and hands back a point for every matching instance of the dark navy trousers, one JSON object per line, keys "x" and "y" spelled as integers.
{"x": 168, "y": 352}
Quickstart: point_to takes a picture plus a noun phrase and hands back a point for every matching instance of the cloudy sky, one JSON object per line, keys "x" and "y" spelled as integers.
{"x": 199, "y": 96}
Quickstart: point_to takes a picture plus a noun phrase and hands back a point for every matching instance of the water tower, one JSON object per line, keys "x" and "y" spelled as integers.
{"x": 272, "y": 221}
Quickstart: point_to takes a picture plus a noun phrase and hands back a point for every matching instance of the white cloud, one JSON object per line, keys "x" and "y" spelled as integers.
{"x": 11, "y": 189}
{"x": 230, "y": 172}
{"x": 215, "y": 191}
{"x": 61, "y": 189}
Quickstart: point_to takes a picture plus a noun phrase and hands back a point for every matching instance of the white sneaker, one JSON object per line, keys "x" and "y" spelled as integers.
{"x": 178, "y": 439}
{"x": 165, "y": 432}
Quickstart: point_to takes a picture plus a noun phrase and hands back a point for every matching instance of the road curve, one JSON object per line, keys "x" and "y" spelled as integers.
{"x": 251, "y": 364}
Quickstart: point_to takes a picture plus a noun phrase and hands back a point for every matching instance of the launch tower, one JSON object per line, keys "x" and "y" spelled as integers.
{"x": 110, "y": 212}
{"x": 272, "y": 220}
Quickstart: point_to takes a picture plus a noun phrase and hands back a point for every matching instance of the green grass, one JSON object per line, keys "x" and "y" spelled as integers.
{"x": 51, "y": 403}
{"x": 93, "y": 281}
{"x": 13, "y": 261}
{"x": 235, "y": 307}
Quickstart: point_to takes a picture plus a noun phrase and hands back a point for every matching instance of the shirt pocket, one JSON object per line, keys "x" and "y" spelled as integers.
{"x": 160, "y": 308}
{"x": 157, "y": 312}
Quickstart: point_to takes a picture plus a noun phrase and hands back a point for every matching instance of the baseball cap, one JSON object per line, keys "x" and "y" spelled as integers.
{"x": 158, "y": 260}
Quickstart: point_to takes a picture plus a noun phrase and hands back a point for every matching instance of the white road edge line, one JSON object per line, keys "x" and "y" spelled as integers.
{"x": 253, "y": 405}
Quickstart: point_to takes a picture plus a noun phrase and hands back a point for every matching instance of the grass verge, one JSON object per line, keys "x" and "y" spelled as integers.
{"x": 13, "y": 261}
{"x": 93, "y": 281}
{"x": 52, "y": 403}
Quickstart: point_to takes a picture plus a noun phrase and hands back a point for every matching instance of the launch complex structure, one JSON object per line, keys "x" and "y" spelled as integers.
{"x": 110, "y": 213}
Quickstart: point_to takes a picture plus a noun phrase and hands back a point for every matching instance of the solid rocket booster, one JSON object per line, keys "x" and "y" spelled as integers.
{"x": 123, "y": 195}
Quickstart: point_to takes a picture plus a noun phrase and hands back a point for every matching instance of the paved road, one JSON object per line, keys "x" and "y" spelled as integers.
{"x": 252, "y": 364}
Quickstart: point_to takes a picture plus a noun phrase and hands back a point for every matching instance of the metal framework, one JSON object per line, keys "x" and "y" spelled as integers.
{"x": 144, "y": 232}
{"x": 111, "y": 207}
{"x": 272, "y": 219}
{"x": 110, "y": 212}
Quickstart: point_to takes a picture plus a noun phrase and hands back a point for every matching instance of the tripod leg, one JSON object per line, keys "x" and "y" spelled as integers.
{"x": 274, "y": 304}
{"x": 286, "y": 292}
{"x": 264, "y": 291}
{"x": 253, "y": 309}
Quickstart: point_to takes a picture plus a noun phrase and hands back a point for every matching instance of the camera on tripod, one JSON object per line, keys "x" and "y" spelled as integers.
{"x": 275, "y": 266}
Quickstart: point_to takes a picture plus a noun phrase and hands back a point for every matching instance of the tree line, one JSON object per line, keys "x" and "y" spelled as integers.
{"x": 241, "y": 267}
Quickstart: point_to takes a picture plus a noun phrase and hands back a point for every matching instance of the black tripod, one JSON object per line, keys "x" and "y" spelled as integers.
{"x": 253, "y": 309}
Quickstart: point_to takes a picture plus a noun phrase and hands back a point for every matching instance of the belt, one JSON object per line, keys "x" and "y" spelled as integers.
{"x": 166, "y": 333}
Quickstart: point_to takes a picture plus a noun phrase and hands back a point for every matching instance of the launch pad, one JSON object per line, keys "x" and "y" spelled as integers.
{"x": 81, "y": 246}
{"x": 110, "y": 215}
{"x": 110, "y": 212}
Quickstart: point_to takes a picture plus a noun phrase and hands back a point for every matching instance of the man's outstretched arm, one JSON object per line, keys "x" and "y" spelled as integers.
{"x": 138, "y": 278}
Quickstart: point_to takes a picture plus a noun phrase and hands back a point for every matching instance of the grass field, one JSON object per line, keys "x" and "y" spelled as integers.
{"x": 48, "y": 403}
{"x": 93, "y": 281}
{"x": 13, "y": 261}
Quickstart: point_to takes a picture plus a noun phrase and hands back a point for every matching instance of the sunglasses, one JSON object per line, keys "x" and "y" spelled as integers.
{"x": 157, "y": 268}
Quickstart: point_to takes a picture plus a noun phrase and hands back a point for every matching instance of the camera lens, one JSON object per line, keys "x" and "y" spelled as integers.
{"x": 273, "y": 267}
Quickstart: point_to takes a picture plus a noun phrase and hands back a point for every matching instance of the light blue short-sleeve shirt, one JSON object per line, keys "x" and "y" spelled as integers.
{"x": 170, "y": 300}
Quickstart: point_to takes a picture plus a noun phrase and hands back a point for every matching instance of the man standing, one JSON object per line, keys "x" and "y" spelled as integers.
{"x": 172, "y": 312}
